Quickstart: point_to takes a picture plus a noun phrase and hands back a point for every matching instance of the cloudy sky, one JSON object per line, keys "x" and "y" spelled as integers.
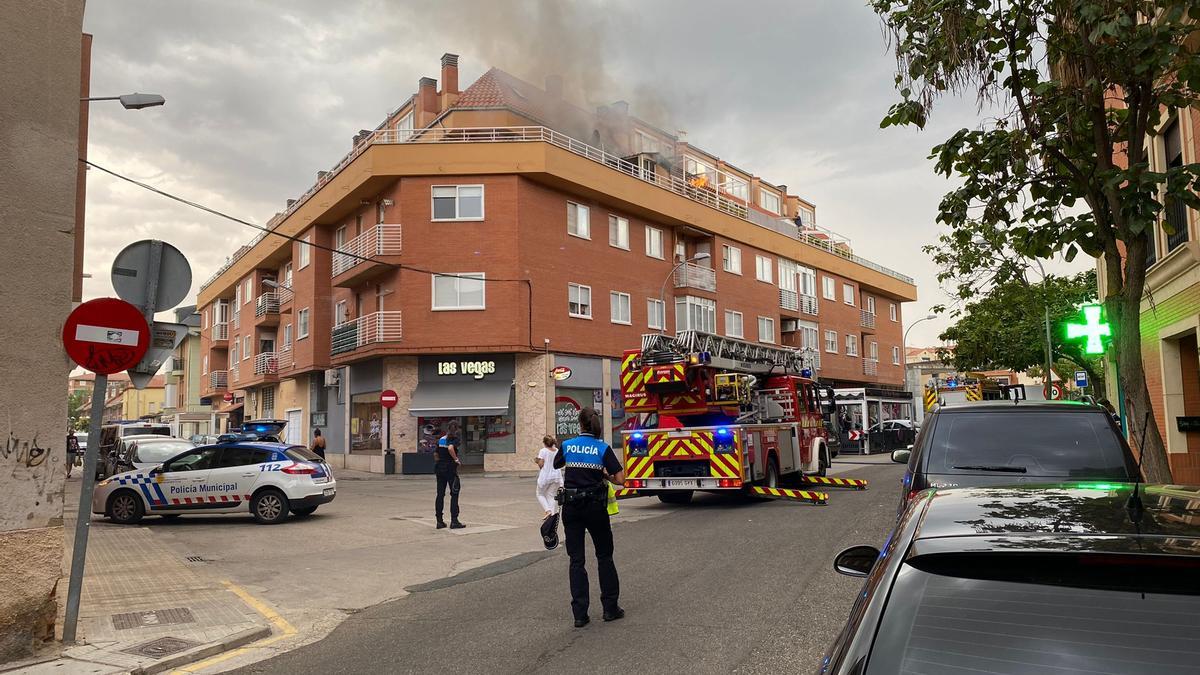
{"x": 262, "y": 95}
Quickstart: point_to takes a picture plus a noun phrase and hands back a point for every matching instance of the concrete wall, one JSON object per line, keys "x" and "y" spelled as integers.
{"x": 39, "y": 147}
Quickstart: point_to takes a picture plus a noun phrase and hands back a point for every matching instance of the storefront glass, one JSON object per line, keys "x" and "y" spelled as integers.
{"x": 567, "y": 404}
{"x": 366, "y": 424}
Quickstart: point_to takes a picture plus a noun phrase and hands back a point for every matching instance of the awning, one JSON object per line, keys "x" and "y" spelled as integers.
{"x": 454, "y": 399}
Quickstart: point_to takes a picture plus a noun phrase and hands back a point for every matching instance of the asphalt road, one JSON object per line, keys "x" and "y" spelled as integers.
{"x": 724, "y": 586}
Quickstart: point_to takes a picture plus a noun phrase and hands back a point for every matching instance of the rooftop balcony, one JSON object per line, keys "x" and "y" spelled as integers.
{"x": 364, "y": 256}
{"x": 691, "y": 275}
{"x": 369, "y": 329}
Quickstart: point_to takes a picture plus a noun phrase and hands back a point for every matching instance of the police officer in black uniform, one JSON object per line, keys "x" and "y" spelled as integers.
{"x": 589, "y": 462}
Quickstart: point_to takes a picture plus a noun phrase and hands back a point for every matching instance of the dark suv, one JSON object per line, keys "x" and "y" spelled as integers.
{"x": 1006, "y": 443}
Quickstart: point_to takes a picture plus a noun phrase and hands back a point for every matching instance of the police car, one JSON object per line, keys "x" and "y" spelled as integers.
{"x": 267, "y": 478}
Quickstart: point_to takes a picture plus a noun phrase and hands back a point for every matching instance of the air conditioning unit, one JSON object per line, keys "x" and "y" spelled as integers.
{"x": 791, "y": 325}
{"x": 333, "y": 377}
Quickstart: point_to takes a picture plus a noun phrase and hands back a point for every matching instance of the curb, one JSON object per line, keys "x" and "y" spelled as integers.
{"x": 204, "y": 651}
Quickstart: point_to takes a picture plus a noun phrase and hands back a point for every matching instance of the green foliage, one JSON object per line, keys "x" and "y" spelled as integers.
{"x": 77, "y": 413}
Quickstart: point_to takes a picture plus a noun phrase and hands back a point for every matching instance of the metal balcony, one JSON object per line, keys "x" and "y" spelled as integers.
{"x": 285, "y": 296}
{"x": 220, "y": 332}
{"x": 691, "y": 275}
{"x": 808, "y": 304}
{"x": 234, "y": 374}
{"x": 268, "y": 303}
{"x": 266, "y": 363}
{"x": 237, "y": 319}
{"x": 789, "y": 300}
{"x": 218, "y": 379}
{"x": 375, "y": 241}
{"x": 284, "y": 357}
{"x": 870, "y": 366}
{"x": 868, "y": 319}
{"x": 368, "y": 329}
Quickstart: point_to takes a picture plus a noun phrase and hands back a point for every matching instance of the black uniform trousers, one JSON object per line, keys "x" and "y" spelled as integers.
{"x": 447, "y": 477}
{"x": 591, "y": 516}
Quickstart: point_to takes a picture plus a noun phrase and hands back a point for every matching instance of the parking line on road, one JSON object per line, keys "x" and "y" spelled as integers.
{"x": 283, "y": 628}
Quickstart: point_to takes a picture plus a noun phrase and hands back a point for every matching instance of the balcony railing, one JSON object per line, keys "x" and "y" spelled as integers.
{"x": 268, "y": 303}
{"x": 285, "y": 294}
{"x": 691, "y": 275}
{"x": 673, "y": 182}
{"x": 218, "y": 379}
{"x": 220, "y": 332}
{"x": 367, "y": 329}
{"x": 235, "y": 374}
{"x": 870, "y": 366}
{"x": 284, "y": 356}
{"x": 808, "y": 304}
{"x": 789, "y": 300}
{"x": 237, "y": 319}
{"x": 382, "y": 239}
{"x": 266, "y": 363}
{"x": 868, "y": 319}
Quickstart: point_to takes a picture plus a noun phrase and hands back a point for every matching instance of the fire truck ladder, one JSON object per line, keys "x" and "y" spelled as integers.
{"x": 806, "y": 496}
{"x": 730, "y": 353}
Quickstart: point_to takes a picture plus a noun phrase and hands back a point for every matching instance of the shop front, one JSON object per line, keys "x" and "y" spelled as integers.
{"x": 476, "y": 391}
{"x": 863, "y": 414}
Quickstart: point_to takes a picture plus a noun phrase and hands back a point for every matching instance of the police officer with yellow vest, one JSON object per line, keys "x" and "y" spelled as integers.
{"x": 589, "y": 462}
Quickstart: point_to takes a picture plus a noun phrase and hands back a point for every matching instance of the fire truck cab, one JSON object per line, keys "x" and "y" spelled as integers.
{"x": 721, "y": 414}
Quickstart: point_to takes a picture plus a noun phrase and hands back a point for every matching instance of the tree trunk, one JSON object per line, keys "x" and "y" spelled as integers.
{"x": 1139, "y": 414}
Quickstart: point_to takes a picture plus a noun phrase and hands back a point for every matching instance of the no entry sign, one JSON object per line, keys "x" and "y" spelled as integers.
{"x": 228, "y": 397}
{"x": 106, "y": 335}
{"x": 388, "y": 399}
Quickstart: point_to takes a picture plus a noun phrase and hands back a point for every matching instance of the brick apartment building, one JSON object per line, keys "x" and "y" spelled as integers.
{"x": 1171, "y": 307}
{"x": 488, "y": 253}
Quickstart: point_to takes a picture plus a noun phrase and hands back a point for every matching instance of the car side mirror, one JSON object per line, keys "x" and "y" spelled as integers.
{"x": 856, "y": 561}
{"x": 902, "y": 456}
{"x": 157, "y": 469}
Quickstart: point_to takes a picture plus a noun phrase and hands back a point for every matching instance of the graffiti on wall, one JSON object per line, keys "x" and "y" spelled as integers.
{"x": 25, "y": 452}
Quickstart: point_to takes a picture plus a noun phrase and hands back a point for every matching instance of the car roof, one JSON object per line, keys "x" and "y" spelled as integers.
{"x": 1021, "y": 406}
{"x": 152, "y": 437}
{"x": 1080, "y": 516}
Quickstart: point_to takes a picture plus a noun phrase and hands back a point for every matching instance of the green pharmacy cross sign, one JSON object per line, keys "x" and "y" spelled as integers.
{"x": 1092, "y": 328}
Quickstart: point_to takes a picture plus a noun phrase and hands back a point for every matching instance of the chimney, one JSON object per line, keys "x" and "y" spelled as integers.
{"x": 450, "y": 73}
{"x": 427, "y": 102}
{"x": 621, "y": 108}
{"x": 554, "y": 86}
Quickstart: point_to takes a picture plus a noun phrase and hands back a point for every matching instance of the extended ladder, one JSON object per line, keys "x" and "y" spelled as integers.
{"x": 729, "y": 353}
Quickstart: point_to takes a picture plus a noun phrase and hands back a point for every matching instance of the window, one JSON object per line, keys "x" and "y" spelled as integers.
{"x": 870, "y": 304}
{"x": 831, "y": 343}
{"x": 339, "y": 313}
{"x": 287, "y": 336}
{"x": 204, "y": 365}
{"x": 246, "y": 352}
{"x": 829, "y": 288}
{"x": 242, "y": 456}
{"x": 851, "y": 345}
{"x": 644, "y": 142}
{"x": 848, "y": 294}
{"x": 692, "y": 313}
{"x": 762, "y": 269}
{"x": 808, "y": 281}
{"x": 892, "y": 311}
{"x": 201, "y": 459}
{"x": 766, "y": 329}
{"x": 895, "y": 356}
{"x": 457, "y": 202}
{"x": 237, "y": 298}
{"x": 579, "y": 222}
{"x": 769, "y": 201}
{"x": 700, "y": 173}
{"x": 404, "y": 127}
{"x": 287, "y": 274}
{"x": 579, "y": 301}
{"x": 807, "y": 217}
{"x": 248, "y": 294}
{"x": 618, "y": 232}
{"x": 619, "y": 309}
{"x": 459, "y": 291}
{"x": 304, "y": 252}
{"x": 735, "y": 187}
{"x": 733, "y": 324}
{"x": 233, "y": 352}
{"x": 654, "y": 242}
{"x": 656, "y": 314}
{"x": 1175, "y": 211}
{"x": 339, "y": 237}
{"x": 808, "y": 335}
{"x": 731, "y": 259}
{"x": 873, "y": 350}
{"x": 205, "y": 318}
{"x": 302, "y": 324}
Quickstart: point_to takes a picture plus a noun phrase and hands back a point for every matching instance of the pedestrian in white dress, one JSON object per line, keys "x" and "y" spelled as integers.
{"x": 549, "y": 479}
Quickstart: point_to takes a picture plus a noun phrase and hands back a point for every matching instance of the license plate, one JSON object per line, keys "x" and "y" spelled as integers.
{"x": 329, "y": 491}
{"x": 681, "y": 482}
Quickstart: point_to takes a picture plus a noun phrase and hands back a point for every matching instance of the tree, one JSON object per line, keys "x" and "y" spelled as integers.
{"x": 1005, "y": 328}
{"x": 1078, "y": 86}
{"x": 78, "y": 411}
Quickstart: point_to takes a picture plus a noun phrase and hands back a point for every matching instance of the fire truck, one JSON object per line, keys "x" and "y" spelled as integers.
{"x": 721, "y": 414}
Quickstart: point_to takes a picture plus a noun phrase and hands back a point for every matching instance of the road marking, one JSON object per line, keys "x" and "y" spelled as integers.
{"x": 283, "y": 628}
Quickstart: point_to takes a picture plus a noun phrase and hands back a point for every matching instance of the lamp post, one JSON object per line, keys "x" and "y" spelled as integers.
{"x": 904, "y": 344}
{"x": 1048, "y": 379}
{"x": 662, "y": 292}
{"x": 133, "y": 101}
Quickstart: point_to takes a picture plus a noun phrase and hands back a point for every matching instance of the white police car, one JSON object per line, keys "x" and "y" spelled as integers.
{"x": 269, "y": 479}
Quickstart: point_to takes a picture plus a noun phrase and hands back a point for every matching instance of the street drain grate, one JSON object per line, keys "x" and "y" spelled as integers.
{"x": 163, "y": 646}
{"x": 152, "y": 617}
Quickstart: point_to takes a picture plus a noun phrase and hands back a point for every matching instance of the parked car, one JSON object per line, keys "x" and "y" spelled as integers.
{"x": 1072, "y": 578}
{"x": 1005, "y": 443}
{"x": 112, "y": 433}
{"x": 143, "y": 452}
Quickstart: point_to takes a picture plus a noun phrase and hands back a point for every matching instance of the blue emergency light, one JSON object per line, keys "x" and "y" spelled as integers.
{"x": 806, "y": 372}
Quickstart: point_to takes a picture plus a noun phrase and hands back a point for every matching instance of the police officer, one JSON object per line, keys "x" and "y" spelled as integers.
{"x": 446, "y": 469}
{"x": 589, "y": 462}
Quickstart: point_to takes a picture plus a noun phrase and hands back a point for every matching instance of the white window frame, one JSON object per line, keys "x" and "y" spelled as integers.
{"x": 615, "y": 299}
{"x": 458, "y": 277}
{"x": 873, "y": 350}
{"x": 287, "y": 274}
{"x": 831, "y": 342}
{"x": 895, "y": 356}
{"x": 248, "y": 294}
{"x": 247, "y": 352}
{"x": 870, "y": 304}
{"x": 341, "y": 313}
{"x": 851, "y": 344}
{"x": 892, "y": 311}
{"x": 644, "y": 142}
{"x": 683, "y": 319}
{"x": 770, "y": 324}
{"x": 653, "y": 234}
{"x": 205, "y": 319}
{"x": 304, "y": 254}
{"x": 302, "y": 321}
{"x": 829, "y": 288}
{"x": 237, "y": 297}
{"x": 233, "y": 352}
{"x": 583, "y": 220}
{"x": 287, "y": 335}
{"x": 810, "y": 337}
{"x": 848, "y": 294}
{"x": 404, "y": 127}
{"x": 764, "y": 269}
{"x": 457, "y": 197}
{"x": 621, "y": 229}
{"x": 776, "y": 202}
{"x": 579, "y": 288}
{"x": 204, "y": 370}
{"x": 656, "y": 314}
{"x": 807, "y": 278}
{"x": 741, "y": 324}
{"x": 731, "y": 259}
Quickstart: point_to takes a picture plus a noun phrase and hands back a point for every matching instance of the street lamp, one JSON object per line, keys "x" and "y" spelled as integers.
{"x": 133, "y": 101}
{"x": 904, "y": 340}
{"x": 661, "y": 301}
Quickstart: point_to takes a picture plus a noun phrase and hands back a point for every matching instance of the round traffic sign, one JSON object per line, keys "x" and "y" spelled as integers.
{"x": 1054, "y": 392}
{"x": 388, "y": 399}
{"x": 228, "y": 397}
{"x": 133, "y": 274}
{"x": 106, "y": 335}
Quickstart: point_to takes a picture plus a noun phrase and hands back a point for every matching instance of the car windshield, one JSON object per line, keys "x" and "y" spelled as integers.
{"x": 1034, "y": 443}
{"x": 156, "y": 452}
{"x": 149, "y": 430}
{"x": 938, "y": 622}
